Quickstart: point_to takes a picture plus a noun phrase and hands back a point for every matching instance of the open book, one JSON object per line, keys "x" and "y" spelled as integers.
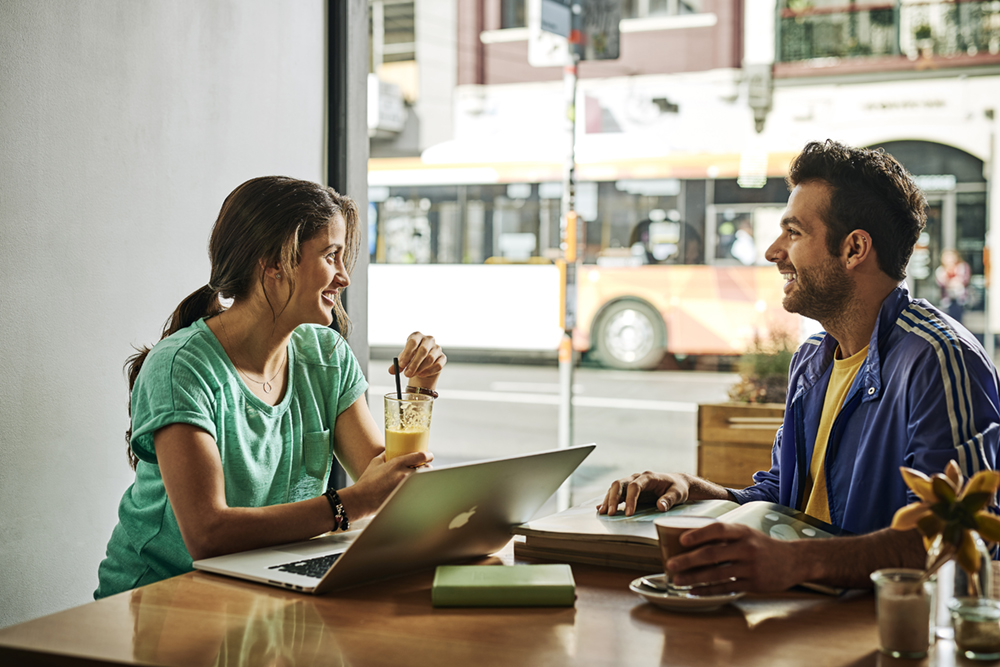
{"x": 581, "y": 535}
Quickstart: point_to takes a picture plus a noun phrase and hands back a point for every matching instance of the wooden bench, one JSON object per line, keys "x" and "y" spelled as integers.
{"x": 735, "y": 439}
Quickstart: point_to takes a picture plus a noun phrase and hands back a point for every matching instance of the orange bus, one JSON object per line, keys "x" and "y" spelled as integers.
{"x": 629, "y": 317}
{"x": 670, "y": 266}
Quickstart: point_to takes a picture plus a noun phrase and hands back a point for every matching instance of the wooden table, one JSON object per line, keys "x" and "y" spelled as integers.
{"x": 204, "y": 619}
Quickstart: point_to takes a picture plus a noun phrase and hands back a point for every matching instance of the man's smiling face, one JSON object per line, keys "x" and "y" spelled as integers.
{"x": 816, "y": 283}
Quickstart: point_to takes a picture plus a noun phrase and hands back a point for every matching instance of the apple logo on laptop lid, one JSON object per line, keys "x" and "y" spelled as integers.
{"x": 462, "y": 518}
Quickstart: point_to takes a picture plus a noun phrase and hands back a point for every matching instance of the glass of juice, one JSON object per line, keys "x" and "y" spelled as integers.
{"x": 407, "y": 424}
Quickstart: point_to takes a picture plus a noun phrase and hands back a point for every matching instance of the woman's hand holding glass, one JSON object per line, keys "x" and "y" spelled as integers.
{"x": 420, "y": 362}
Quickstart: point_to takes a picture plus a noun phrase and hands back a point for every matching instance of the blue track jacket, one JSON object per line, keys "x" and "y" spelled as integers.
{"x": 926, "y": 394}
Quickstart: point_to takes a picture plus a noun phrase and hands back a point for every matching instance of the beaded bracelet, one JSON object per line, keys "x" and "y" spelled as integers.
{"x": 410, "y": 389}
{"x": 339, "y": 514}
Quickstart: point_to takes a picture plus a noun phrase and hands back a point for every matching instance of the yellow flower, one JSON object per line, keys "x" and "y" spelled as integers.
{"x": 952, "y": 508}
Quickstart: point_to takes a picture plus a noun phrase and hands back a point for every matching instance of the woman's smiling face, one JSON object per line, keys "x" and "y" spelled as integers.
{"x": 320, "y": 275}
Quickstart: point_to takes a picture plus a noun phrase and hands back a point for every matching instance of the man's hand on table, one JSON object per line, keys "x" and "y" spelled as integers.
{"x": 738, "y": 558}
{"x": 666, "y": 489}
{"x": 732, "y": 557}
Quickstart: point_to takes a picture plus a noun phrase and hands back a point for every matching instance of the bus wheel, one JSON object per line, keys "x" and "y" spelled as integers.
{"x": 629, "y": 336}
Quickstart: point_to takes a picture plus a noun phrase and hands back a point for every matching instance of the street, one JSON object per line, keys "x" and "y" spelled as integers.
{"x": 639, "y": 420}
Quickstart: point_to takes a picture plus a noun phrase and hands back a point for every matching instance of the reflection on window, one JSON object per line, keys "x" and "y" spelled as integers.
{"x": 743, "y": 234}
{"x": 463, "y": 224}
{"x": 513, "y": 14}
{"x": 736, "y": 238}
{"x": 914, "y": 29}
{"x": 666, "y": 241}
{"x": 391, "y": 32}
{"x": 636, "y": 9}
{"x": 625, "y": 223}
{"x": 970, "y": 222}
{"x": 405, "y": 236}
{"x": 399, "y": 32}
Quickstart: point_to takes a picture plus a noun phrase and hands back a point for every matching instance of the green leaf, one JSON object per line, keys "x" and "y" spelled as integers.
{"x": 975, "y": 501}
{"x": 954, "y": 473}
{"x": 908, "y": 518}
{"x": 953, "y": 534}
{"x": 942, "y": 510}
{"x": 968, "y": 554}
{"x": 985, "y": 480}
{"x": 988, "y": 526}
{"x": 930, "y": 525}
{"x": 943, "y": 488}
{"x": 919, "y": 483}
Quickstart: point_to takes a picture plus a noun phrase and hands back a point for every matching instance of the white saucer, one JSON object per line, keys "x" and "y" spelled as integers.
{"x": 677, "y": 601}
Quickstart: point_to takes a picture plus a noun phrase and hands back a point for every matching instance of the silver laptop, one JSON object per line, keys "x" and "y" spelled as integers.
{"x": 434, "y": 516}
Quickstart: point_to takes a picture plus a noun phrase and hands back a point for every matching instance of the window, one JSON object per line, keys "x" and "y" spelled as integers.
{"x": 843, "y": 29}
{"x": 513, "y": 14}
{"x": 639, "y": 9}
{"x": 392, "y": 33}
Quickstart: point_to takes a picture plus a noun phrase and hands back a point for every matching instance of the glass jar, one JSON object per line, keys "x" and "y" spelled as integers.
{"x": 977, "y": 627}
{"x": 952, "y": 581}
{"x": 903, "y": 605}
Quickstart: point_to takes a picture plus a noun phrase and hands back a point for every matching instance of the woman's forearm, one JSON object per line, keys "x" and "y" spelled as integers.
{"x": 232, "y": 529}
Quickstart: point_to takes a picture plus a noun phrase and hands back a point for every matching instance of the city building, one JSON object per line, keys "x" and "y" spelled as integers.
{"x": 694, "y": 124}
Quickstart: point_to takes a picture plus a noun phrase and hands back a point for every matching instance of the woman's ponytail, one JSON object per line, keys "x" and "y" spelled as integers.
{"x": 203, "y": 302}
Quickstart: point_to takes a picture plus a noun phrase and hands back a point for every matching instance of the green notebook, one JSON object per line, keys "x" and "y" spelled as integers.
{"x": 549, "y": 585}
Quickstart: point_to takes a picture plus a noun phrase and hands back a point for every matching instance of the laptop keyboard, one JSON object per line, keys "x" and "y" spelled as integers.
{"x": 312, "y": 567}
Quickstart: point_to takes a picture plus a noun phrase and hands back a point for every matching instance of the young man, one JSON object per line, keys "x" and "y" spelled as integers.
{"x": 892, "y": 382}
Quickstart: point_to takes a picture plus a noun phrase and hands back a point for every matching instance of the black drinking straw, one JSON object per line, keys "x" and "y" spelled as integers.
{"x": 395, "y": 365}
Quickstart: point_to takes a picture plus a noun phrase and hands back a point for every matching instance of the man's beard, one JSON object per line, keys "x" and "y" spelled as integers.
{"x": 822, "y": 293}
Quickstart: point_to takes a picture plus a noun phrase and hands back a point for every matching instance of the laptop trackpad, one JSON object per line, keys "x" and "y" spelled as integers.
{"x": 320, "y": 545}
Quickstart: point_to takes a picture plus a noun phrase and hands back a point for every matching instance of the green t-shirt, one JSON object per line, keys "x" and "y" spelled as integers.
{"x": 270, "y": 454}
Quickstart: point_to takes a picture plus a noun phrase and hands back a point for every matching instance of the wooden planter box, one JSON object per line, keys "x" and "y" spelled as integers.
{"x": 735, "y": 440}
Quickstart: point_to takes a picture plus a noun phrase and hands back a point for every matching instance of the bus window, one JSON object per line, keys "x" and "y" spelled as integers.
{"x": 666, "y": 242}
{"x": 405, "y": 236}
{"x": 625, "y": 205}
{"x": 743, "y": 234}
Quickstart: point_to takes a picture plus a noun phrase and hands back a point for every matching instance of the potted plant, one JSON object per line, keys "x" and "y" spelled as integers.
{"x": 799, "y": 8}
{"x": 951, "y": 516}
{"x": 764, "y": 370}
{"x": 735, "y": 438}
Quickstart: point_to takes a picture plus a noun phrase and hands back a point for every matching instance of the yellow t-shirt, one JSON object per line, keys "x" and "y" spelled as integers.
{"x": 841, "y": 379}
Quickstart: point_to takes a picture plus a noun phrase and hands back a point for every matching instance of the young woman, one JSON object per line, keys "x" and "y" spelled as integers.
{"x": 237, "y": 412}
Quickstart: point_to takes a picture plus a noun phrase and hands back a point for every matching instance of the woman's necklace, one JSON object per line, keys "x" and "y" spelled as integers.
{"x": 266, "y": 384}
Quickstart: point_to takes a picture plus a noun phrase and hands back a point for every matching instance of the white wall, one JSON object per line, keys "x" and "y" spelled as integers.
{"x": 758, "y": 31}
{"x": 123, "y": 125}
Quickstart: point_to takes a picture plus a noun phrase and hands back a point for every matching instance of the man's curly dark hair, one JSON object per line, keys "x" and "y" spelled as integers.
{"x": 870, "y": 190}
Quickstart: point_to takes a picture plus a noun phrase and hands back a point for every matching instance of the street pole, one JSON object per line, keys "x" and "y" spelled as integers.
{"x": 991, "y": 184}
{"x": 570, "y": 237}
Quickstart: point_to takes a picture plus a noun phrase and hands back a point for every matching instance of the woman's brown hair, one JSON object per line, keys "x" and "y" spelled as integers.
{"x": 263, "y": 223}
